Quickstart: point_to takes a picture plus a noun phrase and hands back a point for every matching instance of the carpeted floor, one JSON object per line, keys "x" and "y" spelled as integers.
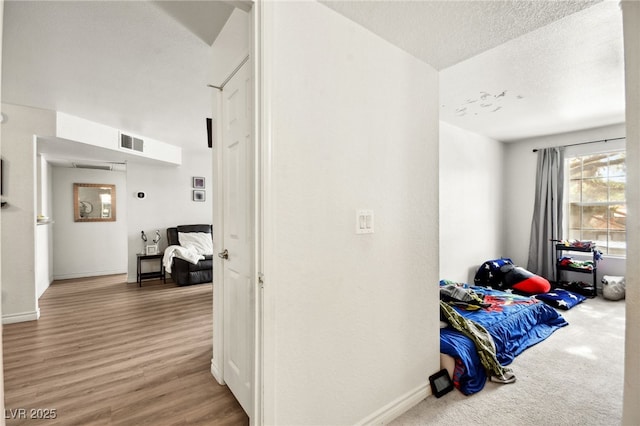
{"x": 575, "y": 377}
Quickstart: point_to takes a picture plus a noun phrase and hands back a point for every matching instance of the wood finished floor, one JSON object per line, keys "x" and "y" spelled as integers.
{"x": 105, "y": 352}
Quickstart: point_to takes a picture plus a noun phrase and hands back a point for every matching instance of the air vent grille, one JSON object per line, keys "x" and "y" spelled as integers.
{"x": 138, "y": 144}
{"x": 93, "y": 166}
{"x": 131, "y": 142}
{"x": 126, "y": 141}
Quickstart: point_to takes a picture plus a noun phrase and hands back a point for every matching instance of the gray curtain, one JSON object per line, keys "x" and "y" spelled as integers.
{"x": 546, "y": 225}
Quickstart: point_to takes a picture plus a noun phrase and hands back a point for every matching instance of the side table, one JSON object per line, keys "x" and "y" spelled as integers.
{"x": 153, "y": 274}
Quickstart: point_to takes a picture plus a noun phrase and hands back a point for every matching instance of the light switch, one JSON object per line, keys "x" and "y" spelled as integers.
{"x": 364, "y": 221}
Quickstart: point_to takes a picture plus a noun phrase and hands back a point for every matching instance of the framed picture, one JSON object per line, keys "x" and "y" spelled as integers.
{"x": 198, "y": 182}
{"x": 151, "y": 250}
{"x": 198, "y": 195}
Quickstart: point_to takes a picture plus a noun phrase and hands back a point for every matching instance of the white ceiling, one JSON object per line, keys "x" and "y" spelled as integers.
{"x": 125, "y": 64}
{"x": 511, "y": 69}
{"x": 566, "y": 76}
{"x": 143, "y": 68}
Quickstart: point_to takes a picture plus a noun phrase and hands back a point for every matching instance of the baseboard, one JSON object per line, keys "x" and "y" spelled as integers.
{"x": 21, "y": 317}
{"x": 216, "y": 372}
{"x": 398, "y": 406}
{"x": 87, "y": 275}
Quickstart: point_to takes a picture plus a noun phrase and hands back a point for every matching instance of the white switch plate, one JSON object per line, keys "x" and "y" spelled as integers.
{"x": 364, "y": 221}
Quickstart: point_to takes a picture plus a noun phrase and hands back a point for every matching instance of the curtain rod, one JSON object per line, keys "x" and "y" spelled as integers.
{"x": 582, "y": 143}
{"x": 224, "y": 83}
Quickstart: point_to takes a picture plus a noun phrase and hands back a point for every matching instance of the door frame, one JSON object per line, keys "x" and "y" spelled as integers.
{"x": 264, "y": 367}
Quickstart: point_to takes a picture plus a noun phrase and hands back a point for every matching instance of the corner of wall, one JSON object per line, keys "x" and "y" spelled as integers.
{"x": 631, "y": 25}
{"x": 19, "y": 229}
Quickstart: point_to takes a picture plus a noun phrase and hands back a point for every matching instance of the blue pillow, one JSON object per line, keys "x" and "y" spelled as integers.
{"x": 561, "y": 299}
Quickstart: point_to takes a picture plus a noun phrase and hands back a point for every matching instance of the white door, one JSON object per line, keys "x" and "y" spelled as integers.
{"x": 238, "y": 237}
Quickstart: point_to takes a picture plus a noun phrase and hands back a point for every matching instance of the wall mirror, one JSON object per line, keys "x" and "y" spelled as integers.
{"x": 94, "y": 202}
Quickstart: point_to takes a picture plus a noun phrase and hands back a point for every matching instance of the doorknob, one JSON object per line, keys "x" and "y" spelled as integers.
{"x": 224, "y": 254}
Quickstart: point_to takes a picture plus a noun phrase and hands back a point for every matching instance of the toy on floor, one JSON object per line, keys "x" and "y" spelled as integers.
{"x": 613, "y": 288}
{"x": 503, "y": 274}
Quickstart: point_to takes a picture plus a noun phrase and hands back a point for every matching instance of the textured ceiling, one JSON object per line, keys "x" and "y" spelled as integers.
{"x": 511, "y": 69}
{"x": 566, "y": 76}
{"x": 443, "y": 33}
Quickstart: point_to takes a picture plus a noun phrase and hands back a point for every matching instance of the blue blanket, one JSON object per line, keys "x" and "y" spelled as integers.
{"x": 515, "y": 323}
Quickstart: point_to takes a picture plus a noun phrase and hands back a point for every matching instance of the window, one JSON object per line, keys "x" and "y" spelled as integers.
{"x": 597, "y": 204}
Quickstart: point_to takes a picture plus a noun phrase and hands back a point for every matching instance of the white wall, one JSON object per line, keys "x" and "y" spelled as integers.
{"x": 168, "y": 200}
{"x": 19, "y": 302}
{"x": 520, "y": 174}
{"x": 168, "y": 203}
{"x": 230, "y": 47}
{"x": 631, "y": 23}
{"x": 352, "y": 320}
{"x": 471, "y": 198}
{"x": 44, "y": 232}
{"x": 44, "y": 272}
{"x": 86, "y": 249}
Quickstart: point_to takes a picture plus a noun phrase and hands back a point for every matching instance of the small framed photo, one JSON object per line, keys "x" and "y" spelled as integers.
{"x": 151, "y": 250}
{"x": 198, "y": 182}
{"x": 198, "y": 195}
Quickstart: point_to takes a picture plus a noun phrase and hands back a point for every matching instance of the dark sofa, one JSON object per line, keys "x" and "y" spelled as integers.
{"x": 186, "y": 273}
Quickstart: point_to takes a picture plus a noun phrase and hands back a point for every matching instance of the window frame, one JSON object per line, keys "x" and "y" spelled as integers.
{"x": 582, "y": 151}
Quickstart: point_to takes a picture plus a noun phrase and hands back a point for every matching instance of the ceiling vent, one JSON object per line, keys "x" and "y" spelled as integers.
{"x": 132, "y": 143}
{"x": 93, "y": 166}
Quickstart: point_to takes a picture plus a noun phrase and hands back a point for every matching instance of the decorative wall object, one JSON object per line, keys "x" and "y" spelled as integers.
{"x": 198, "y": 182}
{"x": 198, "y": 195}
{"x": 94, "y": 202}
